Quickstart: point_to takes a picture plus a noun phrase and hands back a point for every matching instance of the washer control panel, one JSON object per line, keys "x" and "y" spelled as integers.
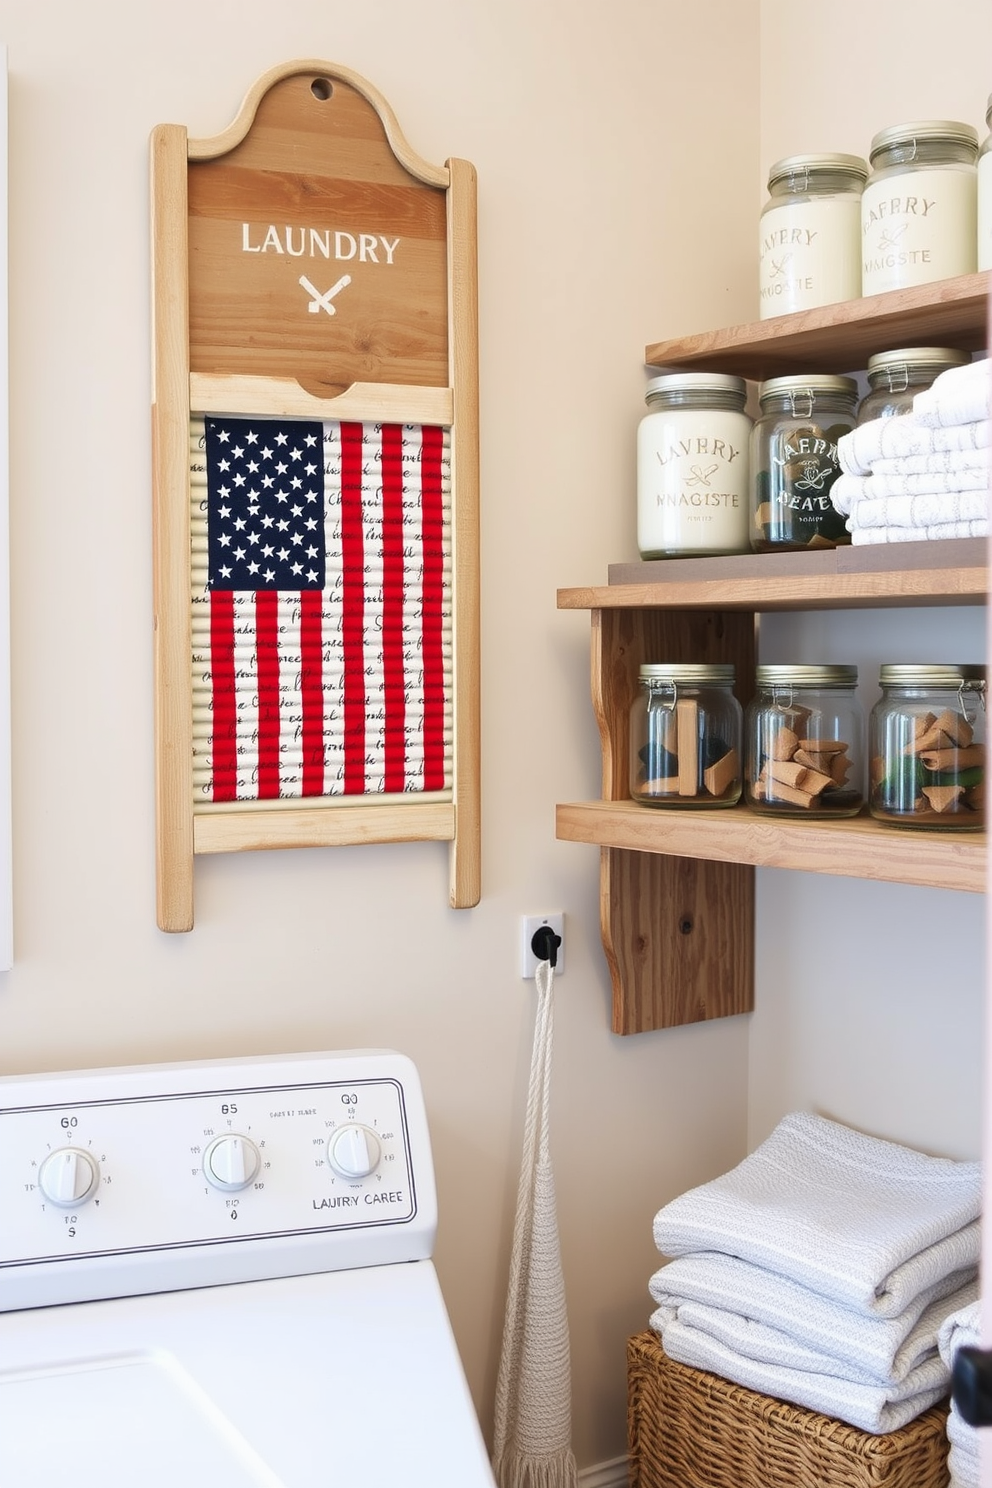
{"x": 328, "y": 1153}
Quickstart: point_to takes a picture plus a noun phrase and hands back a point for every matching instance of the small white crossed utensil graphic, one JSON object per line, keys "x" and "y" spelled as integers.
{"x": 699, "y": 476}
{"x": 320, "y": 301}
{"x": 890, "y": 238}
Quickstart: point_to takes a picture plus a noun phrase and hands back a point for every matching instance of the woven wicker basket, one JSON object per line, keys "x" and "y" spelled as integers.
{"x": 689, "y": 1429}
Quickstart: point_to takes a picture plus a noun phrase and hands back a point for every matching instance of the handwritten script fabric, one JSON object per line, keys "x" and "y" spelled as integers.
{"x": 321, "y": 608}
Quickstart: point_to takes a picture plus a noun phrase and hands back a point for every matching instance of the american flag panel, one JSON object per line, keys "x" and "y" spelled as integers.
{"x": 321, "y": 609}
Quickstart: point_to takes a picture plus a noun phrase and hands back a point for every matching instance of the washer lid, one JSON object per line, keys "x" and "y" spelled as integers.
{"x": 121, "y": 1419}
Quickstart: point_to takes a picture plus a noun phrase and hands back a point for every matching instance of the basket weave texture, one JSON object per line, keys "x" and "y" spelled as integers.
{"x": 690, "y": 1429}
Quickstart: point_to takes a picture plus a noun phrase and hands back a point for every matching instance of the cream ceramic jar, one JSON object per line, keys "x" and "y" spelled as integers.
{"x": 810, "y": 233}
{"x": 919, "y": 208}
{"x": 692, "y": 466}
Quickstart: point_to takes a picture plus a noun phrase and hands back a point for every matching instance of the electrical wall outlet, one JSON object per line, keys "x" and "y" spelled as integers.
{"x": 528, "y": 925}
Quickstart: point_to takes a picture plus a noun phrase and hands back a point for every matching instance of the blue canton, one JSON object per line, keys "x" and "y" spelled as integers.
{"x": 265, "y": 504}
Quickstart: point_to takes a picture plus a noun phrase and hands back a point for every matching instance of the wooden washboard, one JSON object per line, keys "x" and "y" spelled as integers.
{"x": 308, "y": 265}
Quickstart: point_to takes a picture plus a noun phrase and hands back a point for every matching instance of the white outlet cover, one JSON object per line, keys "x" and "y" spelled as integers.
{"x": 529, "y": 924}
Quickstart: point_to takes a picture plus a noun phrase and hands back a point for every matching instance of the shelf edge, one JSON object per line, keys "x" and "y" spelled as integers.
{"x": 958, "y": 305}
{"x": 858, "y": 848}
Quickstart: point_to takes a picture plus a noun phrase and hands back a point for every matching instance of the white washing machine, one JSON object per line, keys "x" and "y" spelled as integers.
{"x": 218, "y": 1275}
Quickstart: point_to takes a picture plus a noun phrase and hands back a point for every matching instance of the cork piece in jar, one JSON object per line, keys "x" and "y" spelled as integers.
{"x": 784, "y": 744}
{"x": 799, "y": 777}
{"x": 925, "y": 736}
{"x": 943, "y": 797}
{"x": 934, "y": 738}
{"x": 957, "y": 728}
{"x": 840, "y": 768}
{"x": 816, "y": 782}
{"x": 948, "y": 760}
{"x": 779, "y": 791}
{"x": 687, "y": 747}
{"x": 786, "y": 772}
{"x": 823, "y": 746}
{"x": 661, "y": 787}
{"x": 721, "y": 775}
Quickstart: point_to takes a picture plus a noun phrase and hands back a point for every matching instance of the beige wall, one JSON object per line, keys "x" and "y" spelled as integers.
{"x": 870, "y": 995}
{"x": 617, "y": 154}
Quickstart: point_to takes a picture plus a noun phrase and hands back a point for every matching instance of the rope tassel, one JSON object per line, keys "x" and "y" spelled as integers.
{"x": 532, "y": 1446}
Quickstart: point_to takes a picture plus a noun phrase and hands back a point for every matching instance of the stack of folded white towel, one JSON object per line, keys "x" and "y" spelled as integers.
{"x": 962, "y": 1460}
{"x": 923, "y": 474}
{"x": 820, "y": 1269}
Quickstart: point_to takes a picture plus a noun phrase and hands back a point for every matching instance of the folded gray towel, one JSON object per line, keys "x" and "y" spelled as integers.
{"x": 867, "y": 1222}
{"x": 774, "y": 1318}
{"x": 872, "y": 1408}
{"x": 938, "y": 532}
{"x": 902, "y": 437}
{"x": 958, "y": 396}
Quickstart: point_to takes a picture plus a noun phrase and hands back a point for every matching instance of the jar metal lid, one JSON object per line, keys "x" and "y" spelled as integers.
{"x": 951, "y": 130}
{"x": 776, "y": 387}
{"x": 932, "y": 674}
{"x": 660, "y": 673}
{"x": 806, "y": 676}
{"x": 795, "y": 165}
{"x": 918, "y": 356}
{"x": 696, "y": 382}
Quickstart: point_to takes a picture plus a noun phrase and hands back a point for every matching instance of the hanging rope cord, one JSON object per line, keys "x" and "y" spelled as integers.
{"x": 532, "y": 1442}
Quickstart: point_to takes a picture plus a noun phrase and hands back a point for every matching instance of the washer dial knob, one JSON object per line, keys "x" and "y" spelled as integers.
{"x": 353, "y": 1151}
{"x": 68, "y": 1176}
{"x": 231, "y": 1162}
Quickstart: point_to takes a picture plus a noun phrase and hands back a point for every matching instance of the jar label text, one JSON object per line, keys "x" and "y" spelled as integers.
{"x": 804, "y": 446}
{"x": 896, "y": 206}
{"x": 724, "y": 499}
{"x": 720, "y": 449}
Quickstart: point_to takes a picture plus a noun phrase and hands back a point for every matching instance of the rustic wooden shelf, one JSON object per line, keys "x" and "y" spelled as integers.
{"x": 839, "y": 338}
{"x": 859, "y": 847}
{"x": 677, "y": 886}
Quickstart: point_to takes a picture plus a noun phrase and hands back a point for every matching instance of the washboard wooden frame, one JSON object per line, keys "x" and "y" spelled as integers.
{"x": 411, "y": 360}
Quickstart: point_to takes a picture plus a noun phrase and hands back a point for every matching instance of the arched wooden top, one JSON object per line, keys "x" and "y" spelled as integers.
{"x": 220, "y": 144}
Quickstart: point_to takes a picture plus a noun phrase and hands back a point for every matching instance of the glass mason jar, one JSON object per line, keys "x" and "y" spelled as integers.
{"x": 810, "y": 233}
{"x": 692, "y": 466}
{"x": 686, "y": 736}
{"x": 985, "y": 195}
{"x": 794, "y": 462}
{"x": 927, "y": 747}
{"x": 919, "y": 208}
{"x": 895, "y": 377}
{"x": 805, "y": 742}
